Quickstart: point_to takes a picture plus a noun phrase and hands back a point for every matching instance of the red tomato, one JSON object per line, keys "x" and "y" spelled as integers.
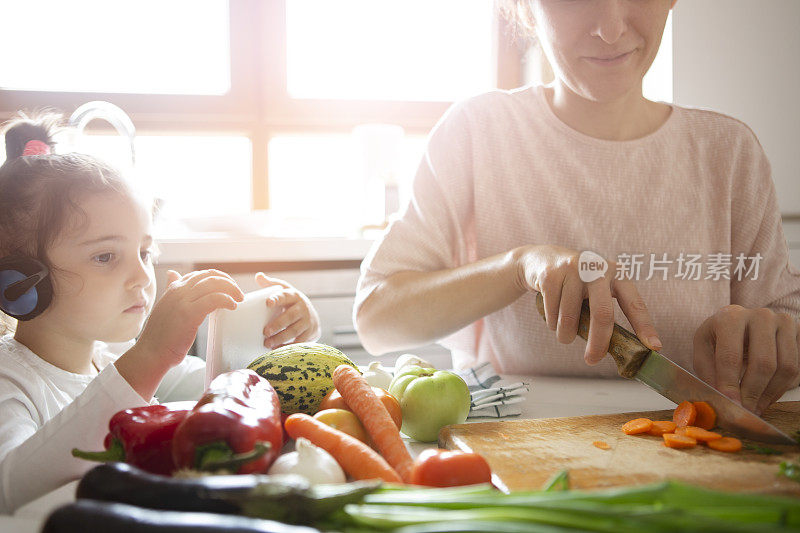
{"x": 443, "y": 468}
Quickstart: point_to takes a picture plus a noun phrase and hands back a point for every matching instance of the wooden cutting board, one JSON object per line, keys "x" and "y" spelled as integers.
{"x": 524, "y": 454}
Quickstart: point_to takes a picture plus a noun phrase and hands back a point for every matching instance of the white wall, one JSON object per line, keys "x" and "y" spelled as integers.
{"x": 742, "y": 58}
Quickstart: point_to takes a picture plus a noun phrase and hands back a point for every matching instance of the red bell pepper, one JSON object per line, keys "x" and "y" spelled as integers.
{"x": 236, "y": 426}
{"x": 141, "y": 436}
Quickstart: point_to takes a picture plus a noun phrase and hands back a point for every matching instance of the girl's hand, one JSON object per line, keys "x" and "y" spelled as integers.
{"x": 296, "y": 319}
{"x": 553, "y": 271}
{"x": 172, "y": 326}
{"x": 749, "y": 355}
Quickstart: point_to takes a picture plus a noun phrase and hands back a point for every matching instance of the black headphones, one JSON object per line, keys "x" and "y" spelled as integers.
{"x": 25, "y": 287}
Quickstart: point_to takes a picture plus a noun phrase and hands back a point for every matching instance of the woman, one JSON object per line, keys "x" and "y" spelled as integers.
{"x": 516, "y": 184}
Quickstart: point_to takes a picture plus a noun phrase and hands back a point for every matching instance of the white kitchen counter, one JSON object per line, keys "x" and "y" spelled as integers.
{"x": 548, "y": 397}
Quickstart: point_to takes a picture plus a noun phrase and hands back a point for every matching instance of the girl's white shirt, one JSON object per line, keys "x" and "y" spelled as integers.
{"x": 45, "y": 412}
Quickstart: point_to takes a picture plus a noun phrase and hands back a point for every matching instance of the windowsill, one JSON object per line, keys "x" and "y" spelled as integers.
{"x": 223, "y": 248}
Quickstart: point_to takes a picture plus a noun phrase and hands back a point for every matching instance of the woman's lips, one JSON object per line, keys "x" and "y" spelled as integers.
{"x": 137, "y": 308}
{"x": 609, "y": 60}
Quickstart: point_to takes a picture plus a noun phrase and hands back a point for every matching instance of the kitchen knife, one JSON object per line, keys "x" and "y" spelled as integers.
{"x": 636, "y": 361}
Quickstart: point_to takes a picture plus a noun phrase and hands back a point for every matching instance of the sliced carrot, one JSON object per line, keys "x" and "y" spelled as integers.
{"x": 636, "y": 426}
{"x": 673, "y": 440}
{"x": 601, "y": 444}
{"x": 680, "y": 430}
{"x": 684, "y": 414}
{"x": 376, "y": 419}
{"x": 706, "y": 416}
{"x": 356, "y": 458}
{"x": 700, "y": 434}
{"x": 662, "y": 426}
{"x": 725, "y": 444}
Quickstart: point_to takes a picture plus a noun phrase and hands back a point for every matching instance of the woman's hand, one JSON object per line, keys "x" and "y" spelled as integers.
{"x": 172, "y": 326}
{"x": 553, "y": 271}
{"x": 750, "y": 355}
{"x": 296, "y": 319}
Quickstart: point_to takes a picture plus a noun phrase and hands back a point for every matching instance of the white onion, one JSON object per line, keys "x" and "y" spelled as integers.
{"x": 377, "y": 376}
{"x": 311, "y": 462}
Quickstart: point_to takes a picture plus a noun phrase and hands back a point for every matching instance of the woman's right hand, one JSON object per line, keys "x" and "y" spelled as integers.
{"x": 172, "y": 326}
{"x": 553, "y": 271}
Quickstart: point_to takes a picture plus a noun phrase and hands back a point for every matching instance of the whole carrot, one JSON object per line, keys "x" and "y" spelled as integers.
{"x": 375, "y": 418}
{"x": 356, "y": 458}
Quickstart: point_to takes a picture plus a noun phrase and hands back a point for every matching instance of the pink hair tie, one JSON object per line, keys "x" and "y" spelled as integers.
{"x": 36, "y": 147}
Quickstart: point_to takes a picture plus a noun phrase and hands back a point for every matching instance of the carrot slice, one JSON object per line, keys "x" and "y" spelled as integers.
{"x": 725, "y": 444}
{"x": 685, "y": 414}
{"x": 706, "y": 416}
{"x": 673, "y": 440}
{"x": 662, "y": 426}
{"x": 700, "y": 434}
{"x": 681, "y": 430}
{"x": 601, "y": 444}
{"x": 636, "y": 426}
{"x": 356, "y": 458}
{"x": 375, "y": 418}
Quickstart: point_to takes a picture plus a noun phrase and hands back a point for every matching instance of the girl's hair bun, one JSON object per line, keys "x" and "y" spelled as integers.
{"x": 40, "y": 127}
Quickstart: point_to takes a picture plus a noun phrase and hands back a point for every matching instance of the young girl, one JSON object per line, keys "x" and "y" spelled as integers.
{"x": 515, "y": 185}
{"x": 76, "y": 269}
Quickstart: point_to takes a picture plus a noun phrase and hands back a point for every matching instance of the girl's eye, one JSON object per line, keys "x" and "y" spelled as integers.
{"x": 146, "y": 255}
{"x": 104, "y": 258}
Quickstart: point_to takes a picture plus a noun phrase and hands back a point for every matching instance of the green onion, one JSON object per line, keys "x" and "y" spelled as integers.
{"x": 560, "y": 481}
{"x": 668, "y": 507}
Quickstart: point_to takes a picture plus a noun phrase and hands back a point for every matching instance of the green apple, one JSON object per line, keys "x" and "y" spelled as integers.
{"x": 430, "y": 399}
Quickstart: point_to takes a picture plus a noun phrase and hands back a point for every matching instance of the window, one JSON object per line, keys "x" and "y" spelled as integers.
{"x": 267, "y": 94}
{"x": 360, "y": 49}
{"x": 261, "y": 104}
{"x": 343, "y": 183}
{"x": 189, "y": 175}
{"x": 101, "y": 46}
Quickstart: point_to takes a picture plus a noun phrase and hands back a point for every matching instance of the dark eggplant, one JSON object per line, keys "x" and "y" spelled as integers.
{"x": 286, "y": 498}
{"x": 90, "y": 516}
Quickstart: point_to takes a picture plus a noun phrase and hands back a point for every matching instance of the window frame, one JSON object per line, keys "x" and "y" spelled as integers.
{"x": 257, "y": 105}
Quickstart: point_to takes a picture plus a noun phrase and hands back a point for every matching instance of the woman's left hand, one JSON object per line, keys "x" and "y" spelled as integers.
{"x": 296, "y": 319}
{"x": 750, "y": 355}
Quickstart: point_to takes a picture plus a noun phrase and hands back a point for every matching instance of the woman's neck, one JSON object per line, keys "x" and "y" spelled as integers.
{"x": 629, "y": 117}
{"x": 60, "y": 349}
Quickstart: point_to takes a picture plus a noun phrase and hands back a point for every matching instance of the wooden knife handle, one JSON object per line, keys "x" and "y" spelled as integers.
{"x": 625, "y": 347}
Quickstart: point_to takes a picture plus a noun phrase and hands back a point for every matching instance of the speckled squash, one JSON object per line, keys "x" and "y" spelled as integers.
{"x": 301, "y": 374}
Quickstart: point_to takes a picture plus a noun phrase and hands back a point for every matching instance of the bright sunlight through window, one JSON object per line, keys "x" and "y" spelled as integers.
{"x": 438, "y": 50}
{"x": 317, "y": 178}
{"x": 192, "y": 175}
{"x": 146, "y": 46}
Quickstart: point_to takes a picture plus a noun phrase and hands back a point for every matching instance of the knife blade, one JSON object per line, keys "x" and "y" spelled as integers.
{"x": 636, "y": 361}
